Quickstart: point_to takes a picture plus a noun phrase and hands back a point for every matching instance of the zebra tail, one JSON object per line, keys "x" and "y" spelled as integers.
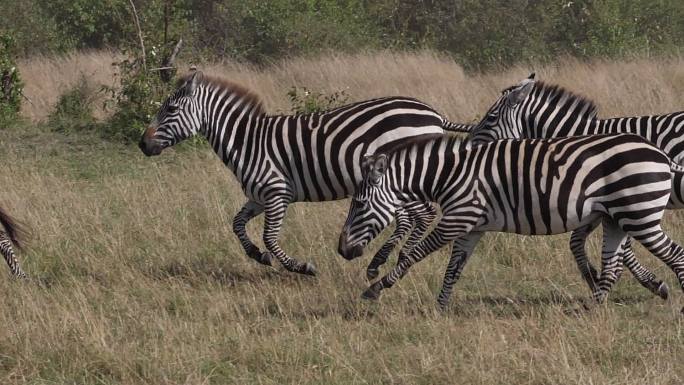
{"x": 457, "y": 127}
{"x": 12, "y": 227}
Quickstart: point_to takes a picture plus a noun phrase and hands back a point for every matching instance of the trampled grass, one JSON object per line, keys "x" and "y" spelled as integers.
{"x": 137, "y": 277}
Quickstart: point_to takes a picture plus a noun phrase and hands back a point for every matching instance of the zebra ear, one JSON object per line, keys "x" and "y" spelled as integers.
{"x": 520, "y": 93}
{"x": 531, "y": 77}
{"x": 379, "y": 166}
{"x": 193, "y": 82}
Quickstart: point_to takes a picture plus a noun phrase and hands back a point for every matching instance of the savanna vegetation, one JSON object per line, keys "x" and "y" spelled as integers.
{"x": 136, "y": 277}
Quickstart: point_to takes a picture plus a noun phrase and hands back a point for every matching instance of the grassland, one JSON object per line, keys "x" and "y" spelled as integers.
{"x": 137, "y": 277}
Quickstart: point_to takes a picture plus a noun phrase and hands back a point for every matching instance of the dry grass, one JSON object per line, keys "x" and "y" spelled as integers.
{"x": 639, "y": 86}
{"x": 48, "y": 77}
{"x": 137, "y": 277}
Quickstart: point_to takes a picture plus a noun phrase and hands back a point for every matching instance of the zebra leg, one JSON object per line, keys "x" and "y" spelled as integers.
{"x": 461, "y": 250}
{"x": 423, "y": 215}
{"x": 578, "y": 240}
{"x": 613, "y": 237}
{"x": 660, "y": 245}
{"x": 8, "y": 253}
{"x": 435, "y": 240}
{"x": 248, "y": 211}
{"x": 590, "y": 275}
{"x": 274, "y": 215}
{"x": 403, "y": 227}
{"x": 645, "y": 277}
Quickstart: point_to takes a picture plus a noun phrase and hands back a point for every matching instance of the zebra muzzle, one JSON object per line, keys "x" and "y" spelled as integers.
{"x": 148, "y": 144}
{"x": 150, "y": 147}
{"x": 347, "y": 251}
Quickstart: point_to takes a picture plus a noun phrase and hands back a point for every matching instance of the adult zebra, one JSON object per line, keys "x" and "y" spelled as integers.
{"x": 7, "y": 238}
{"x": 282, "y": 159}
{"x": 622, "y": 180}
{"x": 533, "y": 109}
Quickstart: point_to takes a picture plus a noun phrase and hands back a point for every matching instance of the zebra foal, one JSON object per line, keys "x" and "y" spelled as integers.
{"x": 280, "y": 159}
{"x": 7, "y": 238}
{"x": 533, "y": 109}
{"x": 533, "y": 187}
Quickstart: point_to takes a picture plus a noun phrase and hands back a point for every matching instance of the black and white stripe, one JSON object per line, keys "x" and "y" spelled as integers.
{"x": 283, "y": 159}
{"x": 621, "y": 180}
{"x": 8, "y": 238}
{"x": 533, "y": 109}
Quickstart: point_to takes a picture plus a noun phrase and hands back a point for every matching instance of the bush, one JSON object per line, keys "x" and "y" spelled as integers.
{"x": 11, "y": 85}
{"x": 480, "y": 34}
{"x": 74, "y": 110}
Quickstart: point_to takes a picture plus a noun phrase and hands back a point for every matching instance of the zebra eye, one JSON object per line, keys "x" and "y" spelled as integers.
{"x": 492, "y": 117}
{"x": 172, "y": 109}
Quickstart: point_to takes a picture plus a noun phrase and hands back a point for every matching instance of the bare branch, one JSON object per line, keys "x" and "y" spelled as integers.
{"x": 140, "y": 36}
{"x": 168, "y": 64}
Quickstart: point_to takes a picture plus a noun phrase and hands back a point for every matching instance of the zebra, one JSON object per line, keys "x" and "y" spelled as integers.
{"x": 620, "y": 180}
{"x": 7, "y": 238}
{"x": 533, "y": 109}
{"x": 280, "y": 159}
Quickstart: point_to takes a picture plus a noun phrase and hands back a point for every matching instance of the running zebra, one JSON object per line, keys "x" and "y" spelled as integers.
{"x": 621, "y": 180}
{"x": 533, "y": 109}
{"x": 283, "y": 159}
{"x": 7, "y": 238}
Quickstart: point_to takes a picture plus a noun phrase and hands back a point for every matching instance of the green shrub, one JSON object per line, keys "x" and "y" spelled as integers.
{"x": 305, "y": 101}
{"x": 11, "y": 85}
{"x": 74, "y": 110}
{"x": 135, "y": 101}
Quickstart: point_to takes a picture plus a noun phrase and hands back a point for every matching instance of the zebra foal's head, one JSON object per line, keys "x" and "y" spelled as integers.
{"x": 178, "y": 118}
{"x": 372, "y": 207}
{"x": 504, "y": 118}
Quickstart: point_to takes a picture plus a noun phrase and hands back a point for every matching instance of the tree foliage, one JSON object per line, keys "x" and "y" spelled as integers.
{"x": 478, "y": 33}
{"x": 10, "y": 81}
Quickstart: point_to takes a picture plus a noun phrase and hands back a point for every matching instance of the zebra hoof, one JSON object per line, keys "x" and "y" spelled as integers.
{"x": 265, "y": 258}
{"x": 663, "y": 290}
{"x": 372, "y": 293}
{"x": 371, "y": 274}
{"x": 21, "y": 276}
{"x": 309, "y": 269}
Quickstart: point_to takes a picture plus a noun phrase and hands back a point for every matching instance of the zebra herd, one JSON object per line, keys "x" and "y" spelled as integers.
{"x": 539, "y": 162}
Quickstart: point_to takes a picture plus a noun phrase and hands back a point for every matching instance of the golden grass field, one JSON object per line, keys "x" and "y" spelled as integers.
{"x": 138, "y": 279}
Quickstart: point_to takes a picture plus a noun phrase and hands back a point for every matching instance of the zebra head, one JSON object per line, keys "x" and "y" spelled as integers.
{"x": 178, "y": 118}
{"x": 372, "y": 208}
{"x": 504, "y": 118}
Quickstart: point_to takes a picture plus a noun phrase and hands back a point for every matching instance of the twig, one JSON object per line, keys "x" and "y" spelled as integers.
{"x": 140, "y": 36}
{"x": 26, "y": 97}
{"x": 161, "y": 68}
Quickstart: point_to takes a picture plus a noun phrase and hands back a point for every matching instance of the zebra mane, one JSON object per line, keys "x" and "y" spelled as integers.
{"x": 559, "y": 97}
{"x": 223, "y": 84}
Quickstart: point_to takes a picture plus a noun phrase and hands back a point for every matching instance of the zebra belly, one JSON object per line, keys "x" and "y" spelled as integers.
{"x": 540, "y": 226}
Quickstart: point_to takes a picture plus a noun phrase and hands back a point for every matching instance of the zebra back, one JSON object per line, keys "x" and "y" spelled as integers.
{"x": 538, "y": 110}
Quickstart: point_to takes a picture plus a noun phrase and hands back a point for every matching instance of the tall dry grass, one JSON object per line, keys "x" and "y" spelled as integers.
{"x": 639, "y": 86}
{"x": 138, "y": 279}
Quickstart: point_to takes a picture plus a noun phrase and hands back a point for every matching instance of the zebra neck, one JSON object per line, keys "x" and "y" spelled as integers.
{"x": 412, "y": 185}
{"x": 554, "y": 127}
{"x": 233, "y": 129}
